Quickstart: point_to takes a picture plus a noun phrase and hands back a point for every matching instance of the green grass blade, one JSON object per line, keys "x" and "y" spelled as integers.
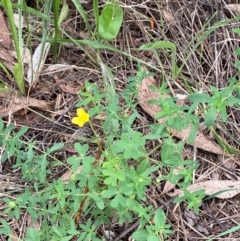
{"x": 231, "y": 230}
{"x": 18, "y": 69}
{"x": 164, "y": 45}
{"x": 56, "y": 6}
{"x": 82, "y": 12}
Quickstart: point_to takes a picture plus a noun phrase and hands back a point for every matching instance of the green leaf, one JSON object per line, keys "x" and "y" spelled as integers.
{"x": 199, "y": 97}
{"x": 75, "y": 161}
{"x": 193, "y": 133}
{"x": 131, "y": 144}
{"x": 55, "y": 147}
{"x": 32, "y": 235}
{"x": 110, "y": 21}
{"x": 153, "y": 238}
{"x": 159, "y": 218}
{"x": 81, "y": 149}
{"x": 115, "y": 201}
{"x": 236, "y": 30}
{"x": 159, "y": 45}
{"x": 1, "y": 124}
{"x": 97, "y": 199}
{"x": 67, "y": 238}
{"x": 22, "y": 131}
{"x": 210, "y": 117}
{"x": 237, "y": 51}
{"x": 6, "y": 228}
{"x": 164, "y": 45}
{"x": 87, "y": 167}
{"x": 140, "y": 235}
{"x": 83, "y": 14}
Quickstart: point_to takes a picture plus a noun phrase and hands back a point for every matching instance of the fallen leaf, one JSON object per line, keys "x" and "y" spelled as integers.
{"x": 17, "y": 102}
{"x": 5, "y": 39}
{"x": 17, "y": 22}
{"x": 7, "y": 59}
{"x": 145, "y": 94}
{"x": 151, "y": 21}
{"x": 168, "y": 17}
{"x": 33, "y": 224}
{"x": 229, "y": 188}
{"x": 26, "y": 58}
{"x": 66, "y": 176}
{"x": 38, "y": 60}
{"x": 168, "y": 185}
{"x": 235, "y": 8}
{"x": 67, "y": 87}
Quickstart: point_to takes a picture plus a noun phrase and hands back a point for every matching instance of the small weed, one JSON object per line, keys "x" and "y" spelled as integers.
{"x": 113, "y": 186}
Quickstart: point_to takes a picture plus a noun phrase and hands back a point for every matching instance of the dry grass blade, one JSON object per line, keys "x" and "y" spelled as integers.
{"x": 145, "y": 94}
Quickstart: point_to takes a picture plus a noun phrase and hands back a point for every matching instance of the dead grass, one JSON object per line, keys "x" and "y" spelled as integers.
{"x": 204, "y": 63}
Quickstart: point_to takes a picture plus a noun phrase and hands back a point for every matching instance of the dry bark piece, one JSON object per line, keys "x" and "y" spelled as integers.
{"x": 168, "y": 185}
{"x": 145, "y": 94}
{"x": 18, "y": 102}
{"x": 229, "y": 188}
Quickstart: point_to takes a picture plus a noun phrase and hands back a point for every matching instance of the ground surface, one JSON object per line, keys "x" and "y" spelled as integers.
{"x": 208, "y": 59}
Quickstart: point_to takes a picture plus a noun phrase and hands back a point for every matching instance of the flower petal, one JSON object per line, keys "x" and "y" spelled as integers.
{"x": 81, "y": 113}
{"x": 77, "y": 121}
{"x": 82, "y": 117}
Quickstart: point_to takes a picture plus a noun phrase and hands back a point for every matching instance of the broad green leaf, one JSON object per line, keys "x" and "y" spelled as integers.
{"x": 110, "y": 21}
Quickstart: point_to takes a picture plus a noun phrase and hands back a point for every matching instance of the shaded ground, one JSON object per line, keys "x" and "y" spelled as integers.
{"x": 202, "y": 32}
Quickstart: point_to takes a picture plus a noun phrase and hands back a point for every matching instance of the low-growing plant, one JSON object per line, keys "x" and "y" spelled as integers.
{"x": 111, "y": 186}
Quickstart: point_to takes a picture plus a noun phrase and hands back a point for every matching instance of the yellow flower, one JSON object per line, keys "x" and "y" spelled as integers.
{"x": 82, "y": 117}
